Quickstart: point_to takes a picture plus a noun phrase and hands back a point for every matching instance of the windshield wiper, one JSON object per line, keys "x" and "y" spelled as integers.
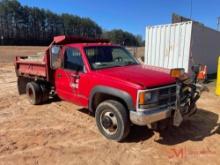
{"x": 101, "y": 65}
{"x": 129, "y": 63}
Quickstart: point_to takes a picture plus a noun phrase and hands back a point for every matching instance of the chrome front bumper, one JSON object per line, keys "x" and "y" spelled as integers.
{"x": 146, "y": 117}
{"x": 143, "y": 118}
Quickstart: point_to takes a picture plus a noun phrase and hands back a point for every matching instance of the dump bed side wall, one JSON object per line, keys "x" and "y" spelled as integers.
{"x": 31, "y": 68}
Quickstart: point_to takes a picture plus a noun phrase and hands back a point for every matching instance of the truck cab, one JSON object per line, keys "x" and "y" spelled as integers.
{"x": 108, "y": 81}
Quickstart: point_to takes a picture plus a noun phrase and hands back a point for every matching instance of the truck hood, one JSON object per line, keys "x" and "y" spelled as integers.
{"x": 144, "y": 75}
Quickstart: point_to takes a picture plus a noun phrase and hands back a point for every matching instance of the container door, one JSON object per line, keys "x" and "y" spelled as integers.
{"x": 168, "y": 46}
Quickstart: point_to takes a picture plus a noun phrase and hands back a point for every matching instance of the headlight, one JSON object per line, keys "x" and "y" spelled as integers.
{"x": 147, "y": 98}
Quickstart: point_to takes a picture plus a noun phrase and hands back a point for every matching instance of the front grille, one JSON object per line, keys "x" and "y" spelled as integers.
{"x": 163, "y": 97}
{"x": 167, "y": 96}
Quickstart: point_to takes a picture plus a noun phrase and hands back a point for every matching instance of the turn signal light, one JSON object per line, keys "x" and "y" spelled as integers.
{"x": 141, "y": 98}
{"x": 177, "y": 72}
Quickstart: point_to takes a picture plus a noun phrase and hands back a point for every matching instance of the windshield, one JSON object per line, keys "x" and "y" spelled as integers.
{"x": 107, "y": 56}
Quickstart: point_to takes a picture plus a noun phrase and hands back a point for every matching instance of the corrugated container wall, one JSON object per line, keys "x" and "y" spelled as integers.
{"x": 180, "y": 45}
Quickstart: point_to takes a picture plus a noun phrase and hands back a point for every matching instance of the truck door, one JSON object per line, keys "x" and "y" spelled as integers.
{"x": 68, "y": 76}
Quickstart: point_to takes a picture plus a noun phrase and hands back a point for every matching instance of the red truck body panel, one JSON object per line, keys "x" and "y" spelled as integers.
{"x": 146, "y": 76}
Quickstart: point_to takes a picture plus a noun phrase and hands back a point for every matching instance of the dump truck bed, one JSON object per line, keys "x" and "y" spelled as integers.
{"x": 32, "y": 66}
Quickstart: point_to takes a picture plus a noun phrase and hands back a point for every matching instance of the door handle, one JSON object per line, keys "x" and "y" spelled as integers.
{"x": 75, "y": 76}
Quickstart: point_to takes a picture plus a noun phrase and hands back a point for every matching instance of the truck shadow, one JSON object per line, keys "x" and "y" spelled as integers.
{"x": 52, "y": 100}
{"x": 201, "y": 125}
{"x": 139, "y": 133}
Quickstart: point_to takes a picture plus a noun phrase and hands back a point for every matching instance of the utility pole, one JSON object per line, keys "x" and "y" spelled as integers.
{"x": 218, "y": 23}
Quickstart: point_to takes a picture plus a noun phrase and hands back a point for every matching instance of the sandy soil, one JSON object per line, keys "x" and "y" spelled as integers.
{"x": 62, "y": 133}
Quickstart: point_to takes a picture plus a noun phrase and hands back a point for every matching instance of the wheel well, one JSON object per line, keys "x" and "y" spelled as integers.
{"x": 100, "y": 97}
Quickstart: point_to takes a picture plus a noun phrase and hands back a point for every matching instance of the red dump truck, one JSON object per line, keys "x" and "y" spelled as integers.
{"x": 108, "y": 81}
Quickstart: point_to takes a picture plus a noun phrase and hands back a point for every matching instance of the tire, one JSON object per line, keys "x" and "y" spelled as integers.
{"x": 112, "y": 120}
{"x": 34, "y": 93}
{"x": 45, "y": 93}
{"x": 21, "y": 85}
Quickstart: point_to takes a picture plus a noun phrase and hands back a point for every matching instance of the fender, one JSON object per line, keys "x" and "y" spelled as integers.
{"x": 114, "y": 92}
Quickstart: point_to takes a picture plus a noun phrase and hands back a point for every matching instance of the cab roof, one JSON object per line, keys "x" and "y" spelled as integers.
{"x": 90, "y": 44}
{"x": 63, "y": 40}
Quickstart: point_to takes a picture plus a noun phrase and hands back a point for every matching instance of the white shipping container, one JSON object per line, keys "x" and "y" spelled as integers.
{"x": 181, "y": 45}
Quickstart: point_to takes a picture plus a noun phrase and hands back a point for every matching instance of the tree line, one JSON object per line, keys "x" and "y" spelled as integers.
{"x": 123, "y": 38}
{"x": 23, "y": 25}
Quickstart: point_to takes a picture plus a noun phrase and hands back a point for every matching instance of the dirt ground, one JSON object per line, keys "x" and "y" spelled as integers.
{"x": 62, "y": 133}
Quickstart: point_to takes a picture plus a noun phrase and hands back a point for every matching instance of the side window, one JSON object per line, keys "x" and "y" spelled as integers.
{"x": 73, "y": 59}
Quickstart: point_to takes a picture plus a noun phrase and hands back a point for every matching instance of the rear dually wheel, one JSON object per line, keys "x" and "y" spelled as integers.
{"x": 34, "y": 93}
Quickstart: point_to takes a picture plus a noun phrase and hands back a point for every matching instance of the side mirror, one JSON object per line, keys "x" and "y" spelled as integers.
{"x": 55, "y": 49}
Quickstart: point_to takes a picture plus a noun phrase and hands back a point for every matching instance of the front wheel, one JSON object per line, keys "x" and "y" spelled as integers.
{"x": 112, "y": 120}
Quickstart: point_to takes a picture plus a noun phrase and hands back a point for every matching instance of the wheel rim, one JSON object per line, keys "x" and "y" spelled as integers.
{"x": 109, "y": 122}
